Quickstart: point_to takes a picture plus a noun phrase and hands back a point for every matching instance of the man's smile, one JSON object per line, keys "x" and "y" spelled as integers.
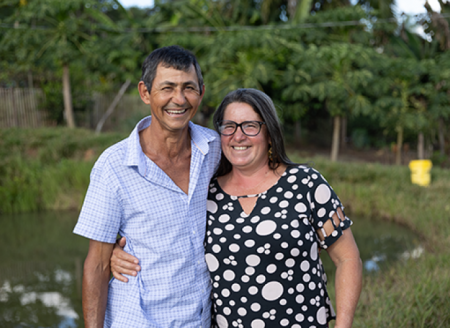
{"x": 176, "y": 111}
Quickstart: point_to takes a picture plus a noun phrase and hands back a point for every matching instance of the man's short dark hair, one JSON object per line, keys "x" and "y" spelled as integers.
{"x": 174, "y": 57}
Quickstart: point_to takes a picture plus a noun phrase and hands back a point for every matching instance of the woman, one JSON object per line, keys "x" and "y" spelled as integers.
{"x": 267, "y": 218}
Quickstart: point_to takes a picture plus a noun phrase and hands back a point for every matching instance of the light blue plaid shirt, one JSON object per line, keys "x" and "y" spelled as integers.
{"x": 165, "y": 228}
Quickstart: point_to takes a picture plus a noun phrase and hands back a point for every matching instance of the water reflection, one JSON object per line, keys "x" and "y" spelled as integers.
{"x": 55, "y": 300}
{"x": 40, "y": 271}
{"x": 380, "y": 244}
{"x": 41, "y": 268}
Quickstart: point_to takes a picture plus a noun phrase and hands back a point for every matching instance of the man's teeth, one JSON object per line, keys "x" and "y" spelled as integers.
{"x": 240, "y": 148}
{"x": 172, "y": 111}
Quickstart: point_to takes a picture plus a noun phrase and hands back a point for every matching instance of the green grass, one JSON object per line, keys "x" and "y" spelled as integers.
{"x": 49, "y": 169}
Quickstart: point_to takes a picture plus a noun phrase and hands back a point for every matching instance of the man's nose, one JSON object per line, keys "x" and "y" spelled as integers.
{"x": 178, "y": 97}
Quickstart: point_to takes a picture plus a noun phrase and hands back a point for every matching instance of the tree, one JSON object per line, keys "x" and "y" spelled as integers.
{"x": 439, "y": 30}
{"x": 399, "y": 106}
{"x": 59, "y": 30}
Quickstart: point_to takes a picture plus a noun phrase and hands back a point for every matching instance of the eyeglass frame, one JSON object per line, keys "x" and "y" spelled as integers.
{"x": 237, "y": 125}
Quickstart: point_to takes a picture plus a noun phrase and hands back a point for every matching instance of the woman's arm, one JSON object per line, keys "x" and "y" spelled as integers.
{"x": 123, "y": 263}
{"x": 348, "y": 282}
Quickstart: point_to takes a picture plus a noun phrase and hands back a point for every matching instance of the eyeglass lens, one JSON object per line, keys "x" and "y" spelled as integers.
{"x": 250, "y": 128}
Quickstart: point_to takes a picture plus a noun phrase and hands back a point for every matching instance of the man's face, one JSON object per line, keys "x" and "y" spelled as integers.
{"x": 174, "y": 97}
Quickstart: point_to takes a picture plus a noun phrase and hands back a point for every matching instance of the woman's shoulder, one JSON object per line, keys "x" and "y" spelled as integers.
{"x": 301, "y": 170}
{"x": 305, "y": 174}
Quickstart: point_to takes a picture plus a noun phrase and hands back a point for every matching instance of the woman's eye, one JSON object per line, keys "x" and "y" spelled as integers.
{"x": 250, "y": 126}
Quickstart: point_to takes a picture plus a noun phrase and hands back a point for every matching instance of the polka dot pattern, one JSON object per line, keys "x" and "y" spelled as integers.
{"x": 265, "y": 266}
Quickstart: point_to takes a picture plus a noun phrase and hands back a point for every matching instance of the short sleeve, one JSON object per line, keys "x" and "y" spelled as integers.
{"x": 324, "y": 204}
{"x": 101, "y": 213}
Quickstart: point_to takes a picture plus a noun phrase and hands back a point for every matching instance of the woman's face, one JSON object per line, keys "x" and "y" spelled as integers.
{"x": 245, "y": 152}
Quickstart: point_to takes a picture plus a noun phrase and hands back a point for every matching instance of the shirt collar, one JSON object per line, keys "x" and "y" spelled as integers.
{"x": 200, "y": 139}
{"x": 134, "y": 154}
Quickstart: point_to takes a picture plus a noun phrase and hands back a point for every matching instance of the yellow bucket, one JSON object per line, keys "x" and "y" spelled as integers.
{"x": 420, "y": 172}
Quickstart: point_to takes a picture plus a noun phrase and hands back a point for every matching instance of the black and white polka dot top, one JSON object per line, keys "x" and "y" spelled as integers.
{"x": 265, "y": 267}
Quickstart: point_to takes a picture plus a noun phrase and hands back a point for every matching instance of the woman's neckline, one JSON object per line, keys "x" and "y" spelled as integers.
{"x": 256, "y": 194}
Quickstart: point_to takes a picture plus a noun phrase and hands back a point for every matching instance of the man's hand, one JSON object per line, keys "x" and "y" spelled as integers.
{"x": 122, "y": 262}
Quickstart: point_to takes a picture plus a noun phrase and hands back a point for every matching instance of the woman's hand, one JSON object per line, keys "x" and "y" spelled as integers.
{"x": 123, "y": 263}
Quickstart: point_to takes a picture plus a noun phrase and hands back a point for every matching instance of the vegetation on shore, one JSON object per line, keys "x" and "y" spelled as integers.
{"x": 49, "y": 169}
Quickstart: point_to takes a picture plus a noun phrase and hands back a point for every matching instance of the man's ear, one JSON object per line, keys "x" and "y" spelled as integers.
{"x": 144, "y": 93}
{"x": 203, "y": 92}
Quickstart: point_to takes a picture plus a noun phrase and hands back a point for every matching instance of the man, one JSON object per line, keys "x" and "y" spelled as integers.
{"x": 151, "y": 188}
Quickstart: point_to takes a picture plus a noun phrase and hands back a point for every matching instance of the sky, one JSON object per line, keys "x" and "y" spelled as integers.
{"x": 410, "y": 7}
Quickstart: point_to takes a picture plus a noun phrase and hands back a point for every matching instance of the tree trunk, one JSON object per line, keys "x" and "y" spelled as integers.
{"x": 343, "y": 132}
{"x": 420, "y": 146}
{"x": 441, "y": 136}
{"x": 30, "y": 79}
{"x": 68, "y": 109}
{"x": 297, "y": 132}
{"x": 292, "y": 8}
{"x": 335, "y": 142}
{"x": 302, "y": 10}
{"x": 398, "y": 154}
{"x": 111, "y": 107}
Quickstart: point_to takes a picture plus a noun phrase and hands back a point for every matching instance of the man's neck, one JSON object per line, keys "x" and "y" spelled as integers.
{"x": 163, "y": 143}
{"x": 171, "y": 152}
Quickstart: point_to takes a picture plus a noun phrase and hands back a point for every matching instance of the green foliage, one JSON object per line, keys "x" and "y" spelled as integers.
{"x": 47, "y": 168}
{"x": 308, "y": 56}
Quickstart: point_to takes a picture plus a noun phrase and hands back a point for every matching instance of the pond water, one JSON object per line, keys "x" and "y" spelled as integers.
{"x": 41, "y": 265}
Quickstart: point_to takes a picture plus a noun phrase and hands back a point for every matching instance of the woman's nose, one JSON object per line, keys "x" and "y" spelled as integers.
{"x": 239, "y": 134}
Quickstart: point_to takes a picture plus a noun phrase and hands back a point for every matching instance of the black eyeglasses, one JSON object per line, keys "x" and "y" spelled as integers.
{"x": 249, "y": 128}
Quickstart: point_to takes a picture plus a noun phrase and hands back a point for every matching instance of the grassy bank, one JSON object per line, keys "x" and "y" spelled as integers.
{"x": 49, "y": 169}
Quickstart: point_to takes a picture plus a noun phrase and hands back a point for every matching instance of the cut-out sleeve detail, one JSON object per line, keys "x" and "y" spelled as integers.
{"x": 327, "y": 216}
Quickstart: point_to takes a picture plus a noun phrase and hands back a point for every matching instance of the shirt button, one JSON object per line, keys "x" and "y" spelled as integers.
{"x": 193, "y": 232}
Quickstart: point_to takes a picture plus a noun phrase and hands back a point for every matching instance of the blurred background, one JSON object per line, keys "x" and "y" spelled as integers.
{"x": 360, "y": 74}
{"x": 362, "y": 88}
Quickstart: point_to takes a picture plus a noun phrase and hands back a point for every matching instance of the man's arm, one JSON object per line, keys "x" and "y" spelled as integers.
{"x": 96, "y": 275}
